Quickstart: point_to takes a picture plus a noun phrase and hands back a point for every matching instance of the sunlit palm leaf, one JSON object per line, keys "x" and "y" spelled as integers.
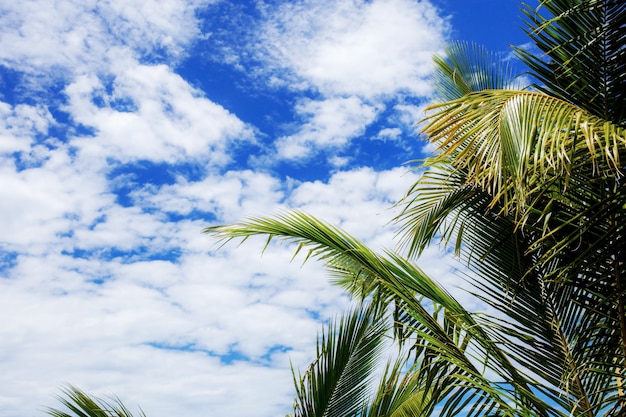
{"x": 557, "y": 174}
{"x": 401, "y": 393}
{"x": 512, "y": 144}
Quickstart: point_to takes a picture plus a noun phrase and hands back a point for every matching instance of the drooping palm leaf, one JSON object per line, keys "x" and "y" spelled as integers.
{"x": 583, "y": 61}
{"x": 512, "y": 144}
{"x": 408, "y": 287}
{"x": 80, "y": 404}
{"x": 337, "y": 382}
{"x": 401, "y": 393}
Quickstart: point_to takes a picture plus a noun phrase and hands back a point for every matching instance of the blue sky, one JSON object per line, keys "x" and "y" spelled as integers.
{"x": 127, "y": 126}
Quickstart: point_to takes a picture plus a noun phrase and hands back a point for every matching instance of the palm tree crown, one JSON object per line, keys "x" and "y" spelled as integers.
{"x": 527, "y": 185}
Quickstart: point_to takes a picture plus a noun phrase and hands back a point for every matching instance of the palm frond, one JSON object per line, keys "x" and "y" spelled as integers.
{"x": 337, "y": 383}
{"x": 529, "y": 186}
{"x": 400, "y": 393}
{"x": 548, "y": 165}
{"x": 467, "y": 67}
{"x": 512, "y": 143}
{"x": 347, "y": 259}
{"x": 582, "y": 60}
{"x": 438, "y": 206}
{"x": 408, "y": 286}
{"x": 80, "y": 404}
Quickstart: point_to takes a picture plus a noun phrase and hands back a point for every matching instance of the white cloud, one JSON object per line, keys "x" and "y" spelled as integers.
{"x": 328, "y": 123}
{"x": 389, "y": 133}
{"x": 126, "y": 333}
{"x": 40, "y": 203}
{"x": 369, "y": 193}
{"x": 78, "y": 36}
{"x": 354, "y": 55}
{"x": 167, "y": 119}
{"x": 227, "y": 197}
{"x": 97, "y": 50}
{"x": 20, "y": 124}
{"x": 358, "y": 48}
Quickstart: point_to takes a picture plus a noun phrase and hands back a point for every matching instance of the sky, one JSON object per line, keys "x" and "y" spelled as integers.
{"x": 128, "y": 126}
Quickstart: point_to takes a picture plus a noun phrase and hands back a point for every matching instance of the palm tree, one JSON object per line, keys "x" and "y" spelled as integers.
{"x": 527, "y": 184}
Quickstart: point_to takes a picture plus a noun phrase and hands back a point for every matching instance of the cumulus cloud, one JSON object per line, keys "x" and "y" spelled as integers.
{"x": 20, "y": 125}
{"x": 354, "y": 56}
{"x": 329, "y": 123}
{"x": 152, "y": 114}
{"x": 362, "y": 48}
{"x": 85, "y": 36}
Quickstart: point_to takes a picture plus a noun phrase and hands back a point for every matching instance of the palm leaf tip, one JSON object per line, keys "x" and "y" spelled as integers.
{"x": 77, "y": 403}
{"x": 351, "y": 264}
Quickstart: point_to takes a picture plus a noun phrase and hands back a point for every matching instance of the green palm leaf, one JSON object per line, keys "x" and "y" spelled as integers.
{"x": 337, "y": 383}
{"x": 415, "y": 295}
{"x": 582, "y": 60}
{"x": 80, "y": 404}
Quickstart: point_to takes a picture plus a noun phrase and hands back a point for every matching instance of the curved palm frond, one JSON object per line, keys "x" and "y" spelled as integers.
{"x": 80, "y": 404}
{"x": 401, "y": 393}
{"x": 583, "y": 42}
{"x": 406, "y": 285}
{"x": 346, "y": 257}
{"x": 468, "y": 67}
{"x": 337, "y": 383}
